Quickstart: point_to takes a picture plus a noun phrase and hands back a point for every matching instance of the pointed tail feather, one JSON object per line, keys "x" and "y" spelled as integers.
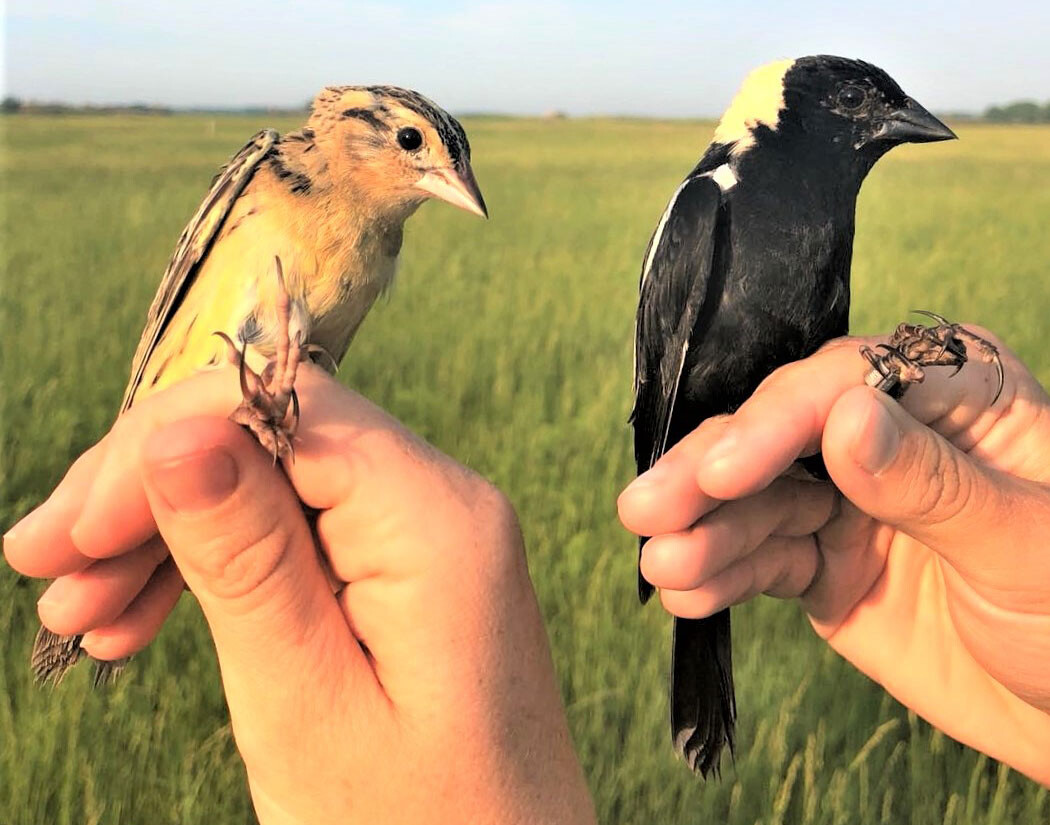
{"x": 53, "y": 655}
{"x": 703, "y": 705}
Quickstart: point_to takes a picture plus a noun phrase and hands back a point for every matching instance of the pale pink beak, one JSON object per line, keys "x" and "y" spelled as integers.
{"x": 456, "y": 186}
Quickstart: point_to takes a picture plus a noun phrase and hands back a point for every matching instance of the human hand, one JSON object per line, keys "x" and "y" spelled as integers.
{"x": 930, "y": 570}
{"x": 423, "y": 690}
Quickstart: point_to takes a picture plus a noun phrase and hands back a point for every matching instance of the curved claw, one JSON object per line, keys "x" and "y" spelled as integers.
{"x": 295, "y": 413}
{"x": 1000, "y": 374}
{"x": 940, "y": 319}
{"x": 282, "y": 444}
{"x": 231, "y": 348}
{"x": 331, "y": 365}
{"x": 280, "y": 271}
{"x": 245, "y": 392}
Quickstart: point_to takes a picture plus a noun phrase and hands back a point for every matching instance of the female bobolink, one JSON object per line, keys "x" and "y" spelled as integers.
{"x": 329, "y": 204}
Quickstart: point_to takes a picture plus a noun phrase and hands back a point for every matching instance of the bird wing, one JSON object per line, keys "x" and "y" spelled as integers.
{"x": 675, "y": 282}
{"x": 192, "y": 248}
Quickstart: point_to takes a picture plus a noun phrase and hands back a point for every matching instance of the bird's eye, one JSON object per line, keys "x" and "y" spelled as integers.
{"x": 409, "y": 139}
{"x": 851, "y": 97}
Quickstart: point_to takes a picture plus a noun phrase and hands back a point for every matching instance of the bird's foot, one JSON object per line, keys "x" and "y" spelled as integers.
{"x": 268, "y": 395}
{"x": 912, "y": 347}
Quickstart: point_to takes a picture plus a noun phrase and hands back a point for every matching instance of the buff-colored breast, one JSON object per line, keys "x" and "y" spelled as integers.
{"x": 336, "y": 263}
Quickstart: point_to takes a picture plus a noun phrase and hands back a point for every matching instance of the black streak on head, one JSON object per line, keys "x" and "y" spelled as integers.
{"x": 304, "y": 135}
{"x": 448, "y": 128}
{"x": 298, "y": 182}
{"x": 368, "y": 116}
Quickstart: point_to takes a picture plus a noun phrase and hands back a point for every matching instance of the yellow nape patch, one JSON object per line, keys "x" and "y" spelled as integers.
{"x": 759, "y": 101}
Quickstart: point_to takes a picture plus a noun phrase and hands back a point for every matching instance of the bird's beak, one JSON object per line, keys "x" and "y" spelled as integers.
{"x": 912, "y": 124}
{"x": 455, "y": 185}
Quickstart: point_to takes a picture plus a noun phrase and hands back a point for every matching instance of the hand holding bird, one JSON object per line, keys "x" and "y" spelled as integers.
{"x": 748, "y": 269}
{"x": 326, "y": 205}
{"x": 927, "y": 571}
{"x": 368, "y": 678}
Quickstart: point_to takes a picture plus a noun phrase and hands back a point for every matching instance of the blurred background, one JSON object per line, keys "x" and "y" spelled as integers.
{"x": 583, "y": 116}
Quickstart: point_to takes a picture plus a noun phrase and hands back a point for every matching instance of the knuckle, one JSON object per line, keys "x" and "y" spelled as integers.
{"x": 940, "y": 486}
{"x": 241, "y": 563}
{"x": 841, "y": 342}
{"x": 497, "y": 512}
{"x": 498, "y": 546}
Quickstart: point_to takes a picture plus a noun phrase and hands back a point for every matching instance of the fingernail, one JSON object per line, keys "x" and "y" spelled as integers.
{"x": 14, "y": 529}
{"x": 56, "y": 499}
{"x": 877, "y": 438}
{"x": 652, "y": 477}
{"x": 56, "y": 593}
{"x": 197, "y": 481}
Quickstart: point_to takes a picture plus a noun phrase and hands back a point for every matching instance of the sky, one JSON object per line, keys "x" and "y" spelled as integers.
{"x": 641, "y": 58}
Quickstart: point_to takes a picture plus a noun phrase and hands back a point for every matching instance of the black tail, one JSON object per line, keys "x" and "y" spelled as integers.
{"x": 703, "y": 706}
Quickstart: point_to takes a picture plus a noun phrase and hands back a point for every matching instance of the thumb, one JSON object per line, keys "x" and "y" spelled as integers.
{"x": 904, "y": 474}
{"x": 237, "y": 533}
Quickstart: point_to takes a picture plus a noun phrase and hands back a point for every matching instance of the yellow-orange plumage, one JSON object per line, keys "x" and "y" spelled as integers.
{"x": 329, "y": 202}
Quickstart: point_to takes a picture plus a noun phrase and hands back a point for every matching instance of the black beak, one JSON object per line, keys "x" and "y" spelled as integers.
{"x": 912, "y": 124}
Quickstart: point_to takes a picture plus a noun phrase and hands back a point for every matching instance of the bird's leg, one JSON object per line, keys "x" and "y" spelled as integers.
{"x": 891, "y": 370}
{"x": 914, "y": 346}
{"x": 267, "y": 395}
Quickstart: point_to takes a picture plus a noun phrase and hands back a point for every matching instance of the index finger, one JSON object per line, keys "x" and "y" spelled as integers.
{"x": 116, "y": 517}
{"x": 784, "y": 419}
{"x": 739, "y": 455}
{"x": 39, "y": 545}
{"x": 113, "y": 514}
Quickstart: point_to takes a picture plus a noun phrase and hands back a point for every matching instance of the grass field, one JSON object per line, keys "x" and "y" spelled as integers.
{"x": 507, "y": 344}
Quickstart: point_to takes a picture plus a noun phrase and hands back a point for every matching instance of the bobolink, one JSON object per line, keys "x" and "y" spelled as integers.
{"x": 328, "y": 203}
{"x": 749, "y": 269}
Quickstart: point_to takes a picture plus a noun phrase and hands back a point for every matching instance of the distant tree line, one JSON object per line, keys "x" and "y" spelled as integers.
{"x": 1021, "y": 111}
{"x": 11, "y": 104}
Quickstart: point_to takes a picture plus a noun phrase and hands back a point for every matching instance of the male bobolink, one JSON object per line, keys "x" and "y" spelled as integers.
{"x": 749, "y": 269}
{"x": 329, "y": 203}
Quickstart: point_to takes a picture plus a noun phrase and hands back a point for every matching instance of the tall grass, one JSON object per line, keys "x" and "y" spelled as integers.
{"x": 507, "y": 344}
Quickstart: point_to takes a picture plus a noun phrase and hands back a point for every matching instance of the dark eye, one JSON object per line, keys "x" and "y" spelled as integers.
{"x": 409, "y": 139}
{"x": 851, "y": 97}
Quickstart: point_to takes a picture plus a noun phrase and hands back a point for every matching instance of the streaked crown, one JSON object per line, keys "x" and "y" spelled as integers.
{"x": 381, "y": 106}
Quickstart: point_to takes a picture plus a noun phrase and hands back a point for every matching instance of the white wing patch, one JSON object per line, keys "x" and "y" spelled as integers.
{"x": 725, "y": 177}
{"x": 670, "y": 404}
{"x": 655, "y": 242}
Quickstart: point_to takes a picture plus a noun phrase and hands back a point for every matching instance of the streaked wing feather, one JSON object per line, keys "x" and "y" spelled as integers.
{"x": 674, "y": 286}
{"x": 192, "y": 248}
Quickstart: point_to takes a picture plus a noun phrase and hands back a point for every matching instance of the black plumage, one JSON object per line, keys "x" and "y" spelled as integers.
{"x": 748, "y": 270}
